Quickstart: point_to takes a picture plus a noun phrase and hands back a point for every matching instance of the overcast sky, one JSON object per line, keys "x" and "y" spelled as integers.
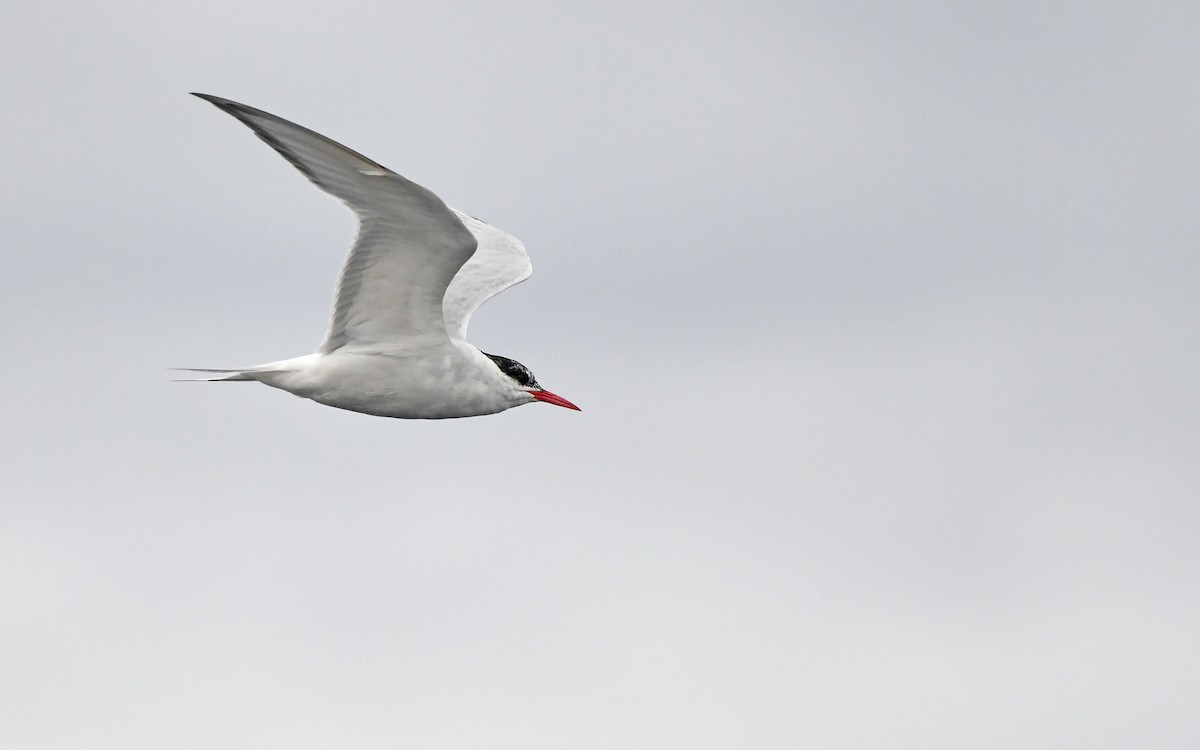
{"x": 884, "y": 320}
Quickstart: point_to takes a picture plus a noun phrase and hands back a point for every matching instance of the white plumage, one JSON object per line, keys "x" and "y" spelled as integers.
{"x": 417, "y": 272}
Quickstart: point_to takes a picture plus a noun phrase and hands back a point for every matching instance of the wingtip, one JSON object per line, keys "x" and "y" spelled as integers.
{"x": 219, "y": 101}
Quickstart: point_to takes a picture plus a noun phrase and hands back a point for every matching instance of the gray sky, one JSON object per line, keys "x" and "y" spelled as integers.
{"x": 884, "y": 321}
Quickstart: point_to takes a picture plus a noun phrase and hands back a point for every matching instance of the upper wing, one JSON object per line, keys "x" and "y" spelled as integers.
{"x": 499, "y": 263}
{"x": 409, "y": 246}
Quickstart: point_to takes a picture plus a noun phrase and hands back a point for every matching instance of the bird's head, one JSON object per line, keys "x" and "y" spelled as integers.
{"x": 524, "y": 381}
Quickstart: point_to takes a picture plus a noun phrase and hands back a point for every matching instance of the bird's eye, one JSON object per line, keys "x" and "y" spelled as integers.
{"x": 515, "y": 370}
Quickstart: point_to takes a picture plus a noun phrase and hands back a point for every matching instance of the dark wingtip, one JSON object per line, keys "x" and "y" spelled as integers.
{"x": 219, "y": 101}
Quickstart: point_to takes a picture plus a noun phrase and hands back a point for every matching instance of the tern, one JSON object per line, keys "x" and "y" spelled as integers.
{"x": 396, "y": 345}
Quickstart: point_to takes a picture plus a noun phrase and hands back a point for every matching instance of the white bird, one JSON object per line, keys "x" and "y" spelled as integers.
{"x": 396, "y": 344}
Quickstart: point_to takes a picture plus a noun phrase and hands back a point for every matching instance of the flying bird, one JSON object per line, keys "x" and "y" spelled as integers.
{"x": 396, "y": 345}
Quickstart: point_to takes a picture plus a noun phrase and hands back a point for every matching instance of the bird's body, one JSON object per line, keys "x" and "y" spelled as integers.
{"x": 396, "y": 344}
{"x": 436, "y": 382}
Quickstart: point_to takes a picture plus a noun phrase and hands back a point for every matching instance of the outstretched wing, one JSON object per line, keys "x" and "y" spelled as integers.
{"x": 409, "y": 245}
{"x": 500, "y": 262}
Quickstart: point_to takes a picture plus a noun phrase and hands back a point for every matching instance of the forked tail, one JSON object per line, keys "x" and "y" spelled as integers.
{"x": 215, "y": 375}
